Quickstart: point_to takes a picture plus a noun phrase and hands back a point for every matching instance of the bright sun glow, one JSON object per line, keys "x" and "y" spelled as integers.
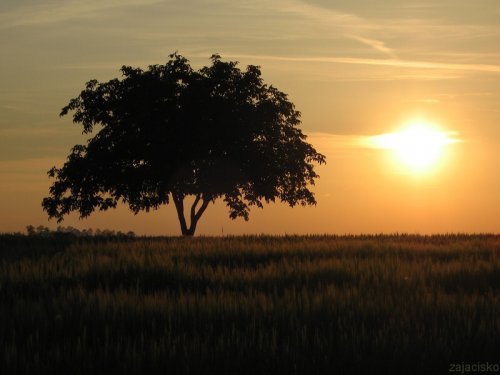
{"x": 418, "y": 146}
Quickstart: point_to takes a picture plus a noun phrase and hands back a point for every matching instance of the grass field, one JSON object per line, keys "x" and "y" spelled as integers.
{"x": 248, "y": 305}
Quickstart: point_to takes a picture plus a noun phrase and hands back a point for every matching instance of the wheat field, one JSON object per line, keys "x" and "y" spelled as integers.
{"x": 248, "y": 304}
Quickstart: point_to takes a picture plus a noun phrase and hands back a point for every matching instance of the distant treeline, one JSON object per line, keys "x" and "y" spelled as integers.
{"x": 42, "y": 230}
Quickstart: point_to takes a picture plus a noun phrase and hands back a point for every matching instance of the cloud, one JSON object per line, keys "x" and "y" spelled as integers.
{"x": 427, "y": 101}
{"x": 375, "y": 44}
{"x": 105, "y": 65}
{"x": 435, "y": 35}
{"x": 63, "y": 11}
{"x": 302, "y": 19}
{"x": 28, "y": 166}
{"x": 329, "y": 143}
{"x": 331, "y": 17}
{"x": 487, "y": 68}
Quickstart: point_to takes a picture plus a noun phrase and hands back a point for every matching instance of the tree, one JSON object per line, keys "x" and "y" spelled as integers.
{"x": 170, "y": 132}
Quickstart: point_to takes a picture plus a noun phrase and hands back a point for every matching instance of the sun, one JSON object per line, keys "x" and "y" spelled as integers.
{"x": 418, "y": 146}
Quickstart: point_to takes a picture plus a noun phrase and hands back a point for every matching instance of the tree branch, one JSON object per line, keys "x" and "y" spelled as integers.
{"x": 193, "y": 208}
{"x": 202, "y": 209}
{"x": 179, "y": 206}
{"x": 196, "y": 215}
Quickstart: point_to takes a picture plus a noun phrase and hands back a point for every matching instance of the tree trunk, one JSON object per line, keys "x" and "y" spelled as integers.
{"x": 195, "y": 214}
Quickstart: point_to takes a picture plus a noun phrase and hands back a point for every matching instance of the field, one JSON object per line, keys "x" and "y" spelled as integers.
{"x": 249, "y": 305}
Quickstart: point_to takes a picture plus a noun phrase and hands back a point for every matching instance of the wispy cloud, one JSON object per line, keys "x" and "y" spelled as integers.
{"x": 487, "y": 68}
{"x": 426, "y": 101}
{"x": 28, "y": 166}
{"x": 375, "y": 44}
{"x": 435, "y": 35}
{"x": 331, "y": 17}
{"x": 329, "y": 143}
{"x": 306, "y": 20}
{"x": 106, "y": 65}
{"x": 63, "y": 11}
{"x": 335, "y": 145}
{"x": 335, "y": 141}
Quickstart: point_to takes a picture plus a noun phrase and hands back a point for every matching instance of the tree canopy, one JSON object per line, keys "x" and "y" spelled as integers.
{"x": 168, "y": 132}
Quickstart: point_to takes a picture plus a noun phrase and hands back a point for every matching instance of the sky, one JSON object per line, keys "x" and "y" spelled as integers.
{"x": 355, "y": 69}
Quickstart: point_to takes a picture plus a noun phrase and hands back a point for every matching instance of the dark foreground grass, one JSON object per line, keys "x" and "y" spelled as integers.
{"x": 249, "y": 305}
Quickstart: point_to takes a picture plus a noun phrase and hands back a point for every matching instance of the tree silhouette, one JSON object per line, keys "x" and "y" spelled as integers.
{"x": 169, "y": 132}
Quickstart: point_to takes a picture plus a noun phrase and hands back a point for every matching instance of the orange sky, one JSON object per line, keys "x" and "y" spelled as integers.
{"x": 354, "y": 69}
